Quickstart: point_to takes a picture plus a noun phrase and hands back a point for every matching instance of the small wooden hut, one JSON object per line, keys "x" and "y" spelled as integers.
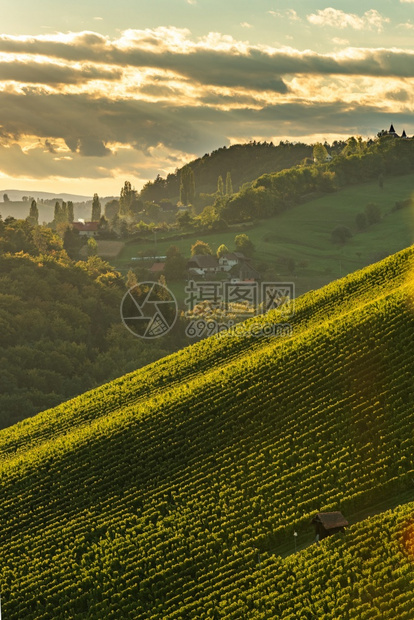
{"x": 328, "y": 523}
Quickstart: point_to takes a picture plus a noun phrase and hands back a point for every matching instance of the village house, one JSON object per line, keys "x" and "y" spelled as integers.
{"x": 235, "y": 264}
{"x": 86, "y": 229}
{"x": 203, "y": 264}
{"x": 227, "y": 261}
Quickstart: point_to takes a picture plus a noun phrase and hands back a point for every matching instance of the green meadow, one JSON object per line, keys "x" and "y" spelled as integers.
{"x": 303, "y": 233}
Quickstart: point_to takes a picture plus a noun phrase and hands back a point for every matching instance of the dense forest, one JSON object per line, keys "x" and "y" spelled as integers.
{"x": 61, "y": 332}
{"x": 255, "y": 181}
{"x": 244, "y": 162}
{"x": 359, "y": 162}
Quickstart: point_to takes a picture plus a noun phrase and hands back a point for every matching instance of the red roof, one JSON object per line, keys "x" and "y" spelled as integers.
{"x": 157, "y": 267}
{"x": 86, "y": 226}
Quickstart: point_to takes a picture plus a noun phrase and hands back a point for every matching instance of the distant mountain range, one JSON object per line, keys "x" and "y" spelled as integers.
{"x": 17, "y": 194}
{"x": 19, "y": 209}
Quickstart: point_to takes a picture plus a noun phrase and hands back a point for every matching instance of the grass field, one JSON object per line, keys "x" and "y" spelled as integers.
{"x": 109, "y": 249}
{"x": 304, "y": 234}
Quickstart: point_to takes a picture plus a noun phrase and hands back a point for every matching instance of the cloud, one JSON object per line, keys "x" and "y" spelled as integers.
{"x": 32, "y": 72}
{"x": 212, "y": 60}
{"x": 289, "y": 14}
{"x": 339, "y": 41}
{"x": 335, "y": 18}
{"x": 246, "y": 25}
{"x": 398, "y": 95}
{"x": 153, "y": 139}
{"x": 87, "y": 105}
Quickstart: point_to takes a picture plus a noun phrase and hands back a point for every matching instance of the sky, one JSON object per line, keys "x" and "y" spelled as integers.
{"x": 96, "y": 93}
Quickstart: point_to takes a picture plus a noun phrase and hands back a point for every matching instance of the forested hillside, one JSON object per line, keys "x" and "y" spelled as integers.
{"x": 60, "y": 332}
{"x": 273, "y": 193}
{"x": 244, "y": 162}
{"x": 275, "y": 178}
{"x": 169, "y": 493}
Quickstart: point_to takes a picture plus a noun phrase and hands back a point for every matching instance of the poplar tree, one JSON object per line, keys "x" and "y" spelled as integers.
{"x": 57, "y": 216}
{"x": 70, "y": 212}
{"x": 187, "y": 186}
{"x": 96, "y": 208}
{"x": 229, "y": 184}
{"x": 34, "y": 213}
{"x": 64, "y": 212}
{"x": 127, "y": 199}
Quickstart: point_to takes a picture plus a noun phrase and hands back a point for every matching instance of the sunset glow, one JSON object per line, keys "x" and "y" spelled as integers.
{"x": 92, "y": 101}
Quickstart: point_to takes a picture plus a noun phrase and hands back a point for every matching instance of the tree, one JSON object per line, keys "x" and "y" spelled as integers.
{"x": 111, "y": 209}
{"x": 200, "y": 247}
{"x": 223, "y": 249}
{"x": 209, "y": 217}
{"x": 352, "y": 146}
{"x": 71, "y": 242}
{"x": 127, "y": 197}
{"x": 187, "y": 186}
{"x": 103, "y": 224}
{"x": 57, "y": 217}
{"x": 96, "y": 208}
{"x": 175, "y": 264}
{"x": 243, "y": 244}
{"x": 64, "y": 212}
{"x": 341, "y": 234}
{"x": 92, "y": 247}
{"x": 153, "y": 211}
{"x": 6, "y": 198}
{"x": 320, "y": 154}
{"x": 185, "y": 221}
{"x": 34, "y": 213}
{"x": 136, "y": 206}
{"x": 131, "y": 280}
{"x": 220, "y": 186}
{"x": 123, "y": 229}
{"x": 70, "y": 213}
{"x": 373, "y": 213}
{"x": 229, "y": 184}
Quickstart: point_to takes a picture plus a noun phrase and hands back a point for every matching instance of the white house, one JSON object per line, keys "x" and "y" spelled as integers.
{"x": 230, "y": 260}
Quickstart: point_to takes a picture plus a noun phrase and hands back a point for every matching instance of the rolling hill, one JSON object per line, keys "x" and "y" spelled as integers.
{"x": 244, "y": 162}
{"x": 173, "y": 492}
{"x": 303, "y": 233}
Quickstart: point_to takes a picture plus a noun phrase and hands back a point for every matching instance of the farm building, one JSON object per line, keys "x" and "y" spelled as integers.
{"x": 328, "y": 523}
{"x": 87, "y": 229}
